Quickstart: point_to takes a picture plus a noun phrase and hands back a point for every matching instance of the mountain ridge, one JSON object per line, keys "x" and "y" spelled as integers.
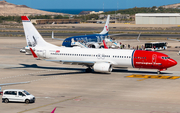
{"x": 9, "y": 9}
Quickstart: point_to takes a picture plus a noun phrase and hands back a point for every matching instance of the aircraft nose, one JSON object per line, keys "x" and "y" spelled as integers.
{"x": 172, "y": 62}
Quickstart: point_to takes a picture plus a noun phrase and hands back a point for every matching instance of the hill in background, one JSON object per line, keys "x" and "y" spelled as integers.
{"x": 174, "y": 6}
{"x": 9, "y": 9}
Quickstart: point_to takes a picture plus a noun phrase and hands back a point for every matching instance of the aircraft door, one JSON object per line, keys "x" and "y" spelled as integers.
{"x": 44, "y": 53}
{"x": 154, "y": 59}
{"x": 21, "y": 96}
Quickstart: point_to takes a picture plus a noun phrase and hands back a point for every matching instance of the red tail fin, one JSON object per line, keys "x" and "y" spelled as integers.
{"x": 24, "y": 18}
{"x": 105, "y": 46}
{"x": 33, "y": 53}
{"x": 53, "y": 110}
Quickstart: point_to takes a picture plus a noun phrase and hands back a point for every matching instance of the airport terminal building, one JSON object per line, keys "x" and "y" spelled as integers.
{"x": 157, "y": 18}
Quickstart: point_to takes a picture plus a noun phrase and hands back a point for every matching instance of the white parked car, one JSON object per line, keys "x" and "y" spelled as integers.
{"x": 17, "y": 95}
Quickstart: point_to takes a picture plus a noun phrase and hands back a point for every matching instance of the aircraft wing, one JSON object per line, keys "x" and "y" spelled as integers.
{"x": 173, "y": 39}
{"x": 116, "y": 34}
{"x": 89, "y": 63}
{"x": 6, "y": 84}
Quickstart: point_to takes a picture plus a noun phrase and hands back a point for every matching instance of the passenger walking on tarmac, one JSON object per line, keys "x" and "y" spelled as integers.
{"x": 128, "y": 46}
{"x": 121, "y": 47}
{"x": 142, "y": 47}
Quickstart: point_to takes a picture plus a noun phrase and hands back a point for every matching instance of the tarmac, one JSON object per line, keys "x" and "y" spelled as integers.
{"x": 70, "y": 89}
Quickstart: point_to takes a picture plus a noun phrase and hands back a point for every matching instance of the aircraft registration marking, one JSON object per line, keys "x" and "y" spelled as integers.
{"x": 153, "y": 76}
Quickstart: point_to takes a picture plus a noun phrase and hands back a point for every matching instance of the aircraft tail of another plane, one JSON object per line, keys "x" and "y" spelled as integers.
{"x": 106, "y": 27}
{"x": 33, "y": 38}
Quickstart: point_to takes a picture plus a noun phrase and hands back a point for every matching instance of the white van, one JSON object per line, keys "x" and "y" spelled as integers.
{"x": 17, "y": 95}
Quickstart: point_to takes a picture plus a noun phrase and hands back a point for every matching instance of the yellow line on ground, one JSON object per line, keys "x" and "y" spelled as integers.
{"x": 49, "y": 104}
{"x": 142, "y": 79}
{"x": 153, "y": 77}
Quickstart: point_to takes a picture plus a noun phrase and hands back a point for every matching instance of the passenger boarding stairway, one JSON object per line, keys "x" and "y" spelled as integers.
{"x": 77, "y": 44}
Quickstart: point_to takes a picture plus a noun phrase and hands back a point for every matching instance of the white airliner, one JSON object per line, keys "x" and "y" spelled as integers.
{"x": 92, "y": 40}
{"x": 101, "y": 60}
{"x": 173, "y": 39}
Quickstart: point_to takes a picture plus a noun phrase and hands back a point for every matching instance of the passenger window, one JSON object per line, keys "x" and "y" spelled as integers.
{"x": 14, "y": 92}
{"x": 21, "y": 94}
{"x": 7, "y": 92}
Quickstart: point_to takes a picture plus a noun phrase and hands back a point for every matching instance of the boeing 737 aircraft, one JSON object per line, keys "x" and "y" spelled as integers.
{"x": 91, "y": 41}
{"x": 101, "y": 60}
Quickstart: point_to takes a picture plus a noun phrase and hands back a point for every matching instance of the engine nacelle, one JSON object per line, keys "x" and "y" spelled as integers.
{"x": 93, "y": 45}
{"x": 102, "y": 67}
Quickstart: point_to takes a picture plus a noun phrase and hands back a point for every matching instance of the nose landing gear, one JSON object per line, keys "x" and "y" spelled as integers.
{"x": 158, "y": 72}
{"x": 88, "y": 70}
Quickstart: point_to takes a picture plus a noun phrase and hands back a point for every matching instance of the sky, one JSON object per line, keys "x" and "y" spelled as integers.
{"x": 91, "y": 4}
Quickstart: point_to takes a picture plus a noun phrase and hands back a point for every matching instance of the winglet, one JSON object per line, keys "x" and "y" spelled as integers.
{"x": 52, "y": 35}
{"x": 105, "y": 46}
{"x": 33, "y": 53}
{"x": 53, "y": 110}
{"x": 139, "y": 36}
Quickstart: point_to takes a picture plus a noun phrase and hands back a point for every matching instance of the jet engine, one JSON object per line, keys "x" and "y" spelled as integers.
{"x": 93, "y": 45}
{"x": 102, "y": 67}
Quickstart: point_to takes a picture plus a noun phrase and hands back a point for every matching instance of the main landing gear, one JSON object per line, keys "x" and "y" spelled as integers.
{"x": 88, "y": 70}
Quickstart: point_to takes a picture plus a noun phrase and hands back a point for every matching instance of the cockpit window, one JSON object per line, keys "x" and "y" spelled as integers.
{"x": 66, "y": 41}
{"x": 165, "y": 57}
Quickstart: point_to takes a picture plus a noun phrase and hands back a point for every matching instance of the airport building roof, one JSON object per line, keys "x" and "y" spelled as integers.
{"x": 157, "y": 14}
